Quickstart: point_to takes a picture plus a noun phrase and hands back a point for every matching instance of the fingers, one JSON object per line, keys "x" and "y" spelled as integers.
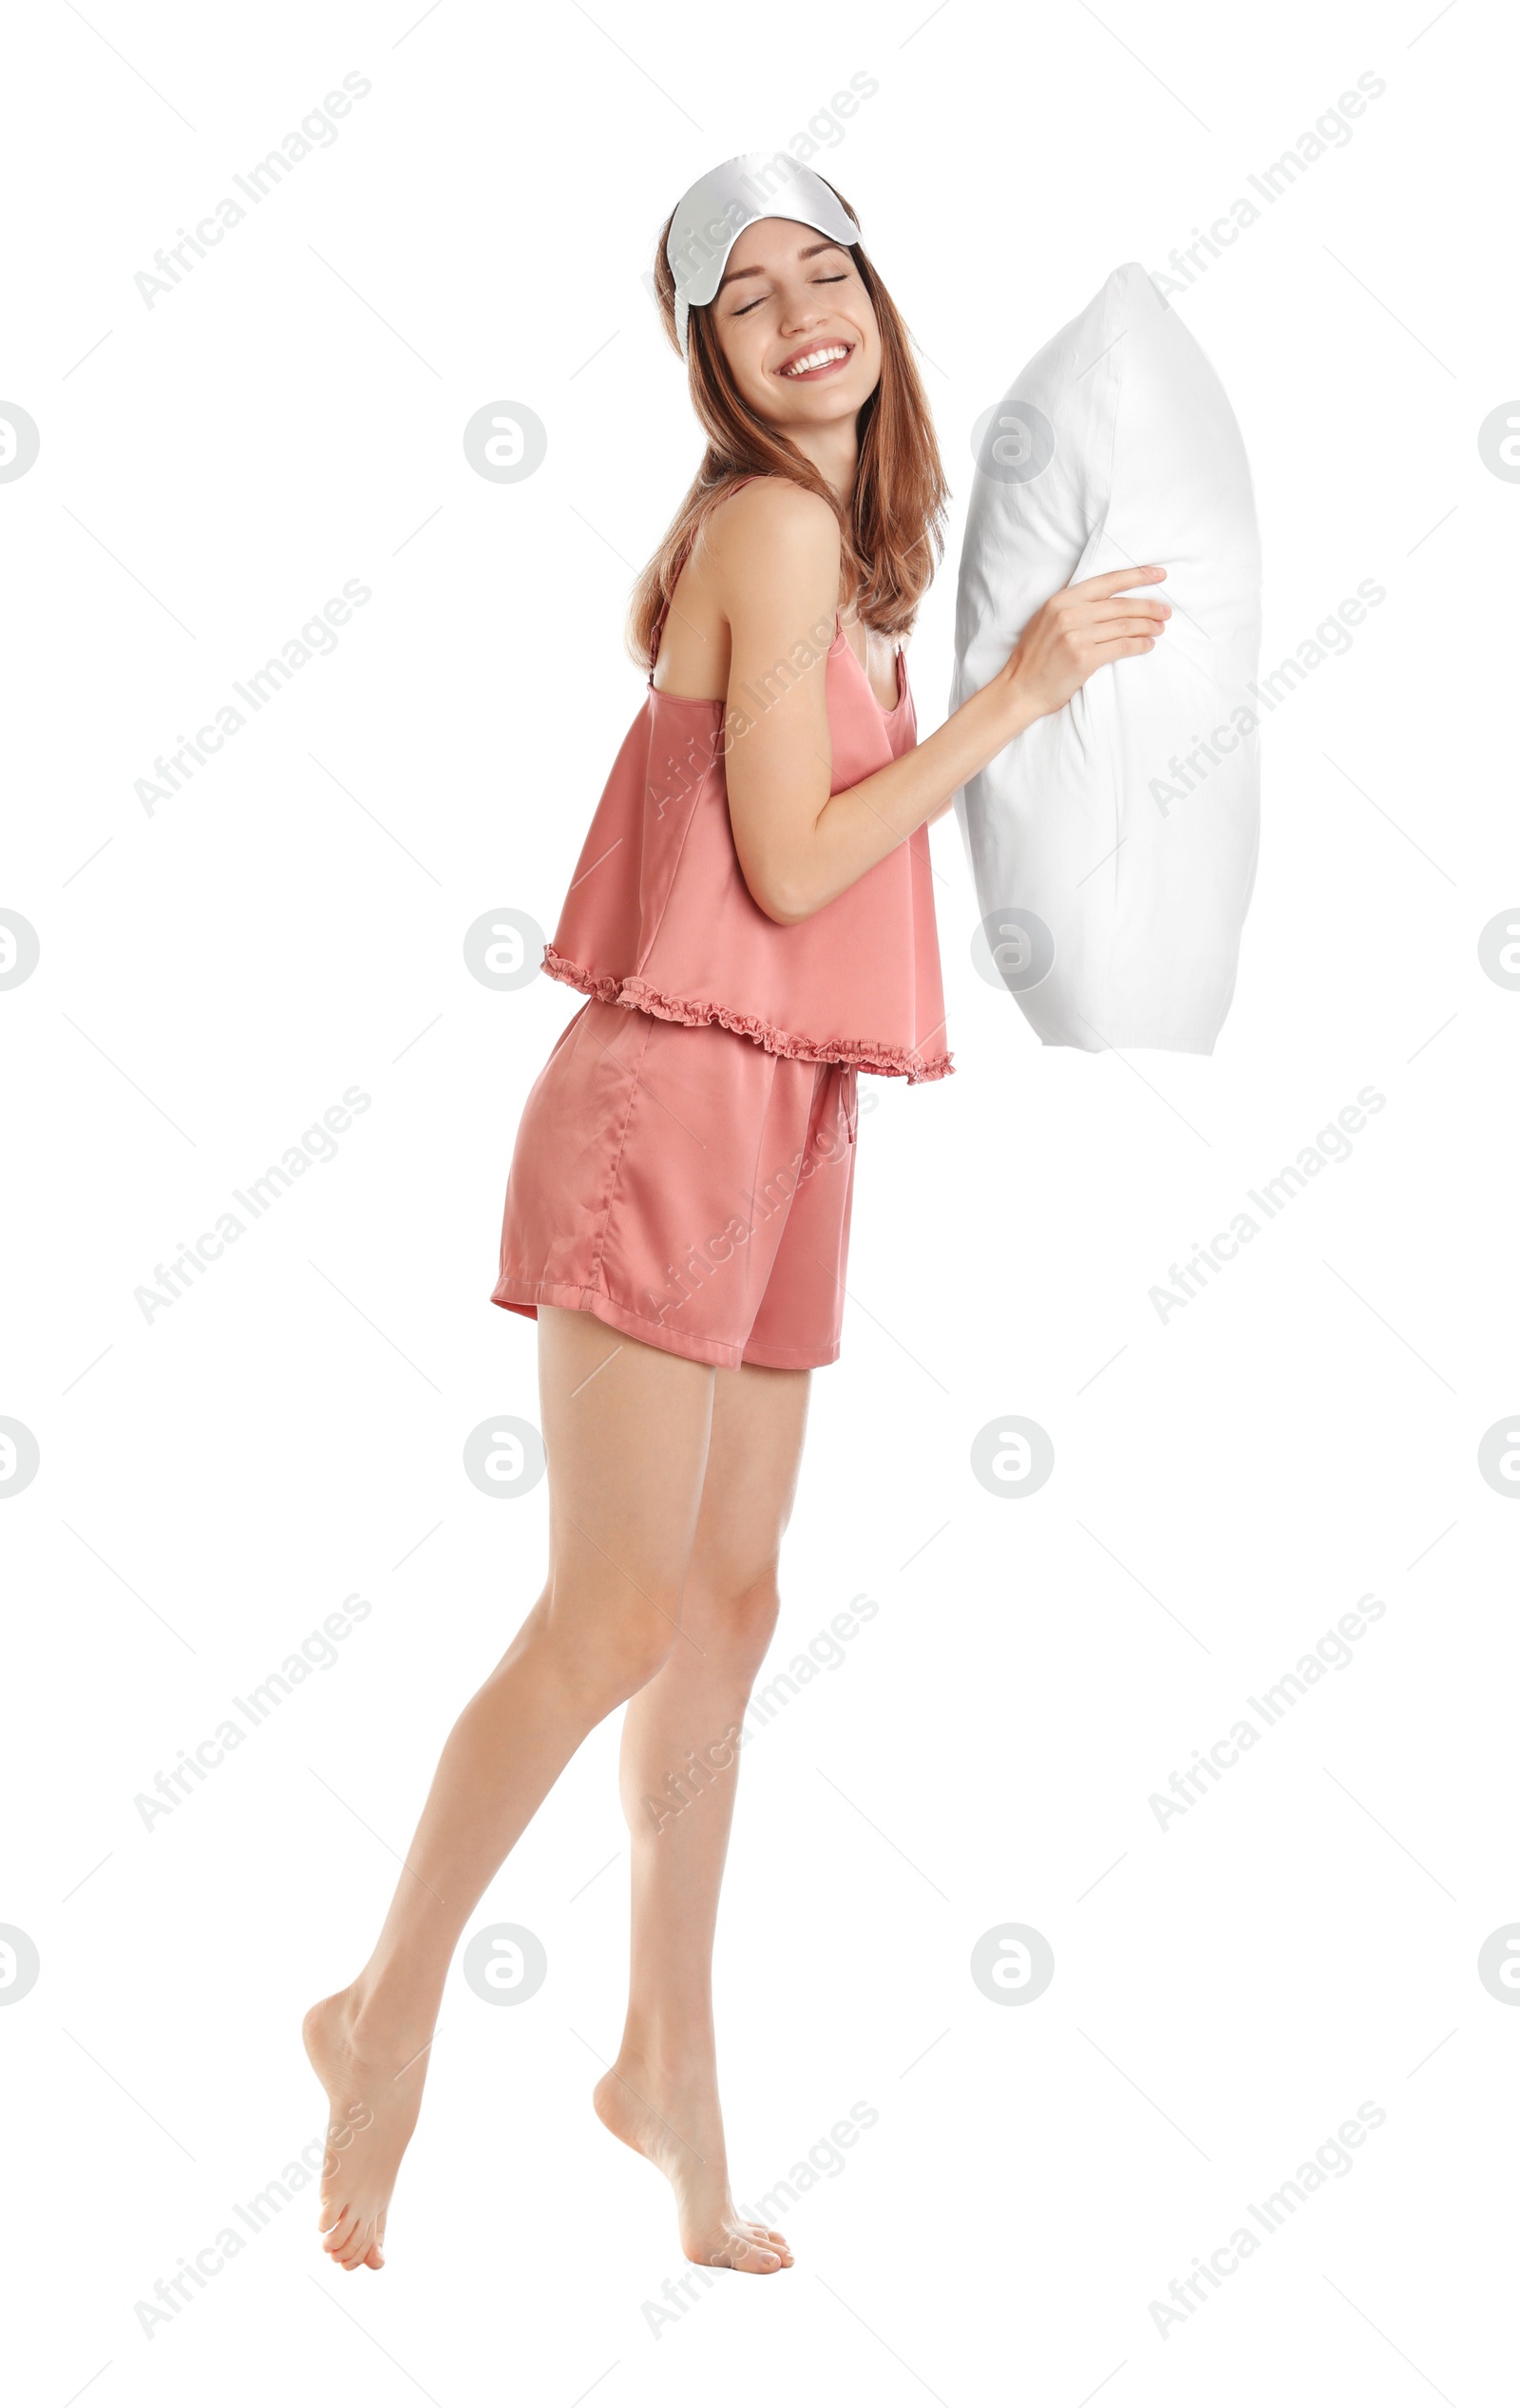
{"x": 1128, "y": 618}
{"x": 1129, "y": 606}
{"x": 1113, "y": 580}
{"x": 1072, "y": 624}
{"x": 1122, "y": 649}
{"x": 1119, "y": 609}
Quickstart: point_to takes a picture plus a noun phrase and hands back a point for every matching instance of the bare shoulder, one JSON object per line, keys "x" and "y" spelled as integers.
{"x": 775, "y": 502}
{"x": 772, "y": 529}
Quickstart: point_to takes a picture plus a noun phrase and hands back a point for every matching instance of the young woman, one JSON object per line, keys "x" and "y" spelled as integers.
{"x": 752, "y": 920}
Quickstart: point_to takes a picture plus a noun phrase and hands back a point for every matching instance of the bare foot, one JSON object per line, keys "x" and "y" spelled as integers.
{"x": 375, "y": 2094}
{"x": 678, "y": 2127}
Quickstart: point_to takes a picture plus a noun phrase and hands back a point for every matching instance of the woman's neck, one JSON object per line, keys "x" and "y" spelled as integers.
{"x": 834, "y": 452}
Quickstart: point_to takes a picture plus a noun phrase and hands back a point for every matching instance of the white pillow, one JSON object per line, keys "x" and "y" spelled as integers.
{"x": 1113, "y": 844}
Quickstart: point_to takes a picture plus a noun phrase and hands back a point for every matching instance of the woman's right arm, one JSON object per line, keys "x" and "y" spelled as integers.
{"x": 774, "y": 551}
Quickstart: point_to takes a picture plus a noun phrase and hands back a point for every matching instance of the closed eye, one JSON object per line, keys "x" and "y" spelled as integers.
{"x": 841, "y": 279}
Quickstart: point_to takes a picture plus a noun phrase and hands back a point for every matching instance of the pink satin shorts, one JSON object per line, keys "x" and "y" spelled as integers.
{"x": 685, "y": 1187}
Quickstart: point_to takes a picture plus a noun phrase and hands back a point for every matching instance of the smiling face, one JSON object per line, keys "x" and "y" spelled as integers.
{"x": 795, "y": 324}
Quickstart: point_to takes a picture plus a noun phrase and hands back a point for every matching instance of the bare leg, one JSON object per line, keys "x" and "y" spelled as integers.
{"x": 625, "y": 1429}
{"x": 679, "y": 1767}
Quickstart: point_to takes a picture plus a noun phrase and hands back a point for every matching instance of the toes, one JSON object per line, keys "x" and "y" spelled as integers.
{"x": 752, "y": 2257}
{"x": 350, "y": 2239}
{"x": 752, "y": 2248}
{"x": 336, "y": 2241}
{"x": 360, "y": 2244}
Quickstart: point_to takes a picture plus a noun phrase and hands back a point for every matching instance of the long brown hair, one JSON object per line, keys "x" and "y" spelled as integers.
{"x": 892, "y": 532}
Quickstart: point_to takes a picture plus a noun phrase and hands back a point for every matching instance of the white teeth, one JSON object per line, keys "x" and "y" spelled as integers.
{"x": 816, "y": 359}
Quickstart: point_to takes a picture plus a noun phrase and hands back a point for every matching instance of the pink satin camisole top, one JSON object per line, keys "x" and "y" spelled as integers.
{"x": 658, "y": 917}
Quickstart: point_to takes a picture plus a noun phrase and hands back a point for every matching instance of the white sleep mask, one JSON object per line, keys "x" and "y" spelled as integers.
{"x": 711, "y": 217}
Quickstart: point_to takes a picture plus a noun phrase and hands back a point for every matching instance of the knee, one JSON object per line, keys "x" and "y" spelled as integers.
{"x": 643, "y": 1645}
{"x": 607, "y": 1655}
{"x": 743, "y": 1621}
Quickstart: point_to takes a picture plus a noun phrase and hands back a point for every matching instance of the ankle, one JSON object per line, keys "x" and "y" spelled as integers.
{"x": 379, "y": 2028}
{"x": 669, "y": 2060}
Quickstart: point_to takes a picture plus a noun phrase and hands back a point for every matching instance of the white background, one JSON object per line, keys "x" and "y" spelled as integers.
{"x": 1227, "y": 1483}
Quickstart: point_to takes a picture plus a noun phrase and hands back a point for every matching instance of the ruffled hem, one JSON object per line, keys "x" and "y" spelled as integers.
{"x": 637, "y": 995}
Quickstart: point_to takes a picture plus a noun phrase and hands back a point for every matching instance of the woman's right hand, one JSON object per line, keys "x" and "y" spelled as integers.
{"x": 1079, "y": 630}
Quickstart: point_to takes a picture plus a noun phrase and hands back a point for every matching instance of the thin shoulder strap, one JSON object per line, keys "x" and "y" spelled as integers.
{"x": 663, "y": 613}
